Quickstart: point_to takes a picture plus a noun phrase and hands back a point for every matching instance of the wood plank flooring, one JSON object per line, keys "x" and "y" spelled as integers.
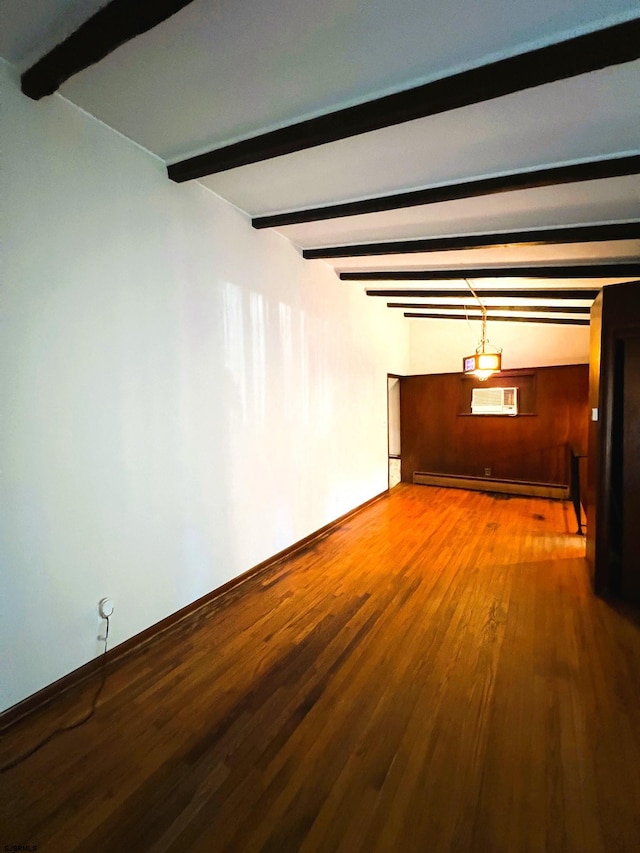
{"x": 435, "y": 675}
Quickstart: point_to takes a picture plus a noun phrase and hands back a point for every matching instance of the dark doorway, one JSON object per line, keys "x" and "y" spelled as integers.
{"x": 613, "y": 495}
{"x": 630, "y": 473}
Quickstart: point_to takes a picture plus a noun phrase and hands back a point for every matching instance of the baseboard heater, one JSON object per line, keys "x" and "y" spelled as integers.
{"x": 488, "y": 484}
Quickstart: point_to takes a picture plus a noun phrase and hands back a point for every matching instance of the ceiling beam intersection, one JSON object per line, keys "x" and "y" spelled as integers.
{"x": 526, "y": 293}
{"x": 111, "y": 26}
{"x": 564, "y": 271}
{"x": 459, "y": 242}
{"x": 591, "y": 170}
{"x": 560, "y": 321}
{"x": 551, "y": 309}
{"x": 609, "y": 46}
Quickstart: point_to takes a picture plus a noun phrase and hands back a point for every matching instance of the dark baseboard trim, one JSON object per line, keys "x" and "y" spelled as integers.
{"x": 555, "y": 491}
{"x": 140, "y": 641}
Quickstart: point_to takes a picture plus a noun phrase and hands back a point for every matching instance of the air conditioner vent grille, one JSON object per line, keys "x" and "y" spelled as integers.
{"x": 494, "y": 401}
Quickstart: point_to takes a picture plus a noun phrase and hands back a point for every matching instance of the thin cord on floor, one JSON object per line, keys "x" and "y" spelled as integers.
{"x": 71, "y": 726}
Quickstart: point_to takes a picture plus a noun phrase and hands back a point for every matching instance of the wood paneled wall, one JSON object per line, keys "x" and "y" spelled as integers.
{"x": 439, "y": 434}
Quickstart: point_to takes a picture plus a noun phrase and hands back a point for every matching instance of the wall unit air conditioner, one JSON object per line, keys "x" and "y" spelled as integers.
{"x": 494, "y": 401}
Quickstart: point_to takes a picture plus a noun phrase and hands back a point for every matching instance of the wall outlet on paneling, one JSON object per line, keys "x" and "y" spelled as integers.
{"x": 487, "y": 472}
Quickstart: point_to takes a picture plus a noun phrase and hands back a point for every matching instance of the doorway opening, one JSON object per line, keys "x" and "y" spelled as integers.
{"x": 393, "y": 428}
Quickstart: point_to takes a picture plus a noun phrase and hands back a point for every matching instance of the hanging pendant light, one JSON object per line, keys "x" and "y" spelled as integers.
{"x": 485, "y": 361}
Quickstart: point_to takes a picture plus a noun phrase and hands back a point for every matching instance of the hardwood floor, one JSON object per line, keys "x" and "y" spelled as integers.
{"x": 434, "y": 676}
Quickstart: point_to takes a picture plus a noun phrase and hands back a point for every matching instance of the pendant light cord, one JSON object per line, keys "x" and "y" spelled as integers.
{"x": 482, "y": 308}
{"x": 484, "y": 340}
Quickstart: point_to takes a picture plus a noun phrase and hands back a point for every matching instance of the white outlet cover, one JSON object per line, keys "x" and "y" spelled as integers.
{"x": 105, "y": 607}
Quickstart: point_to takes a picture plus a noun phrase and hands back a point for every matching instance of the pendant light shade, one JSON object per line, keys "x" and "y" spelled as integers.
{"x": 482, "y": 364}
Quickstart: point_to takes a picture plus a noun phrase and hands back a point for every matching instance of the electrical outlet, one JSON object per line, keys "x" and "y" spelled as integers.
{"x": 487, "y": 472}
{"x": 105, "y": 607}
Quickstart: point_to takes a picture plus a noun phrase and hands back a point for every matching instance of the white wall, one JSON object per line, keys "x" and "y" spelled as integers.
{"x": 438, "y": 346}
{"x": 183, "y": 396}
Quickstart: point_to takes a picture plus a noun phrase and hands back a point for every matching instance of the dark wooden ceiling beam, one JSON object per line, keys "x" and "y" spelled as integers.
{"x": 580, "y": 55}
{"x": 555, "y": 272}
{"x": 525, "y": 293}
{"x": 534, "y": 237}
{"x": 559, "y": 321}
{"x": 611, "y": 167}
{"x": 551, "y": 309}
{"x": 116, "y": 23}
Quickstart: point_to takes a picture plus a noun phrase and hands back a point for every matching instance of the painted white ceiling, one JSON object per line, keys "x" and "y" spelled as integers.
{"x": 544, "y": 126}
{"x": 223, "y": 70}
{"x": 31, "y": 28}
